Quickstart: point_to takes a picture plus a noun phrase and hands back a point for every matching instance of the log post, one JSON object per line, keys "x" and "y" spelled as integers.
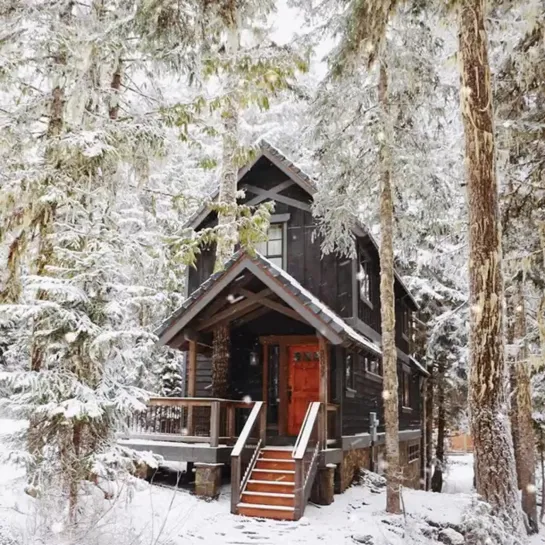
{"x": 324, "y": 397}
{"x": 191, "y": 384}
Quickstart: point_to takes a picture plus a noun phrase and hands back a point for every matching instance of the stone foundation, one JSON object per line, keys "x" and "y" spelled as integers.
{"x": 358, "y": 459}
{"x": 323, "y": 488}
{"x": 208, "y": 480}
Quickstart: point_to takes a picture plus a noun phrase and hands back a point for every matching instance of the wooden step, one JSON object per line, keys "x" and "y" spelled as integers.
{"x": 274, "y": 463}
{"x": 277, "y": 454}
{"x": 276, "y": 475}
{"x": 266, "y": 511}
{"x": 270, "y": 486}
{"x": 268, "y": 498}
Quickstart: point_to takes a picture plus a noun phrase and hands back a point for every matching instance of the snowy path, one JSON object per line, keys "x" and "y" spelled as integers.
{"x": 459, "y": 474}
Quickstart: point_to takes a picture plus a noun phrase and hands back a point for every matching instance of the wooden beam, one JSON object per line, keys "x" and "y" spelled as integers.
{"x": 191, "y": 383}
{"x": 176, "y": 325}
{"x": 324, "y": 386}
{"x": 234, "y": 309}
{"x": 271, "y": 193}
{"x": 244, "y": 311}
{"x": 283, "y": 293}
{"x": 252, "y": 315}
{"x": 264, "y": 194}
{"x": 275, "y": 305}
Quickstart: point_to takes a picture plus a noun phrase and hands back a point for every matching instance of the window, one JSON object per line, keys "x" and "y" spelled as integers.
{"x": 414, "y": 452}
{"x": 364, "y": 279}
{"x": 273, "y": 247}
{"x": 349, "y": 370}
{"x": 406, "y": 323}
{"x": 406, "y": 389}
{"x": 373, "y": 364}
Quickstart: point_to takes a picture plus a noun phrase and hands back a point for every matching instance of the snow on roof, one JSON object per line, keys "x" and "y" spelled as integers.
{"x": 330, "y": 320}
{"x": 419, "y": 366}
{"x": 351, "y": 332}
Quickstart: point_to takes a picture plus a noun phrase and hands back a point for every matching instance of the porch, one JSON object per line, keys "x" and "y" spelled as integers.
{"x": 274, "y": 421}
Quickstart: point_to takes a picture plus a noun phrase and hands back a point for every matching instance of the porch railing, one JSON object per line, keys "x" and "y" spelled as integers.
{"x": 306, "y": 453}
{"x": 191, "y": 420}
{"x": 246, "y": 450}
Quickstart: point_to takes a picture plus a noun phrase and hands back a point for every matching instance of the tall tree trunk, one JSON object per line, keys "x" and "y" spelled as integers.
{"x": 494, "y": 458}
{"x": 521, "y": 407}
{"x": 387, "y": 308}
{"x": 437, "y": 479}
{"x": 227, "y": 233}
{"x": 429, "y": 426}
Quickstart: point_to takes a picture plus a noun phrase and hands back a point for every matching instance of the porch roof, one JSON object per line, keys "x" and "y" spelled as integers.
{"x": 284, "y": 286}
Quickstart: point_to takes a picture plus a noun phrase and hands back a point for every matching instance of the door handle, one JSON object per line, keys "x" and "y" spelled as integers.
{"x": 289, "y": 395}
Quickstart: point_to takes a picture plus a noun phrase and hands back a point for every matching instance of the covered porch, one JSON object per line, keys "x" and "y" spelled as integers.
{"x": 281, "y": 380}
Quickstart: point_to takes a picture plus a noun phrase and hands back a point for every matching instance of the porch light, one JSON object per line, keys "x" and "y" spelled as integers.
{"x": 254, "y": 355}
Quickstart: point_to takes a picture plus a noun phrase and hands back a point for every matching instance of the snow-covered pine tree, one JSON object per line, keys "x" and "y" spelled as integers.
{"x": 76, "y": 249}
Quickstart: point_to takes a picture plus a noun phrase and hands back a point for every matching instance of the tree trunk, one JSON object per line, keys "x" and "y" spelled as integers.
{"x": 429, "y": 426}
{"x": 521, "y": 407}
{"x": 220, "y": 362}
{"x": 227, "y": 227}
{"x": 437, "y": 479}
{"x": 387, "y": 308}
{"x": 541, "y": 447}
{"x": 494, "y": 458}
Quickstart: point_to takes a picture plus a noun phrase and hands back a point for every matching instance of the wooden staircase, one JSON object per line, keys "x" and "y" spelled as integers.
{"x": 274, "y": 482}
{"x": 270, "y": 490}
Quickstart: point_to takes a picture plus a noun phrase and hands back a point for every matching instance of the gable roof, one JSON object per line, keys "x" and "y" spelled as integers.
{"x": 303, "y": 180}
{"x": 309, "y": 307}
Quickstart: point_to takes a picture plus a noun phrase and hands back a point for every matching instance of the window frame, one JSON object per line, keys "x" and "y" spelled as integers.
{"x": 363, "y": 266}
{"x": 406, "y": 323}
{"x": 406, "y": 398}
{"x": 366, "y": 367}
{"x": 350, "y": 380}
{"x": 413, "y": 453}
{"x": 283, "y": 241}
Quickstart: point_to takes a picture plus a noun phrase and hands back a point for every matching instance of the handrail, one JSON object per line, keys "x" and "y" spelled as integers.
{"x": 306, "y": 461}
{"x": 238, "y": 478}
{"x": 248, "y": 427}
{"x": 303, "y": 438}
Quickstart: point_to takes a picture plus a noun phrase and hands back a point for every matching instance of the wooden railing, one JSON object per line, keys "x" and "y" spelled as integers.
{"x": 246, "y": 450}
{"x": 190, "y": 420}
{"x": 306, "y": 453}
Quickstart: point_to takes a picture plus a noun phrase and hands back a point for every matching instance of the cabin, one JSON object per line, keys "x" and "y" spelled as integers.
{"x": 303, "y": 410}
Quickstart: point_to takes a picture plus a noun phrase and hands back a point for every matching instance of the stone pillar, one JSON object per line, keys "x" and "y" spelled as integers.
{"x": 207, "y": 480}
{"x": 324, "y": 487}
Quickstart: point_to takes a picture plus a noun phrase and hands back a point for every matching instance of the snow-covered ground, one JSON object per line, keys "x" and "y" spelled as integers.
{"x": 459, "y": 474}
{"x": 154, "y": 515}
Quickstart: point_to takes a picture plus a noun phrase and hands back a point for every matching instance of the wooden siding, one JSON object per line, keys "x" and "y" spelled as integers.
{"x": 203, "y": 376}
{"x": 366, "y": 397}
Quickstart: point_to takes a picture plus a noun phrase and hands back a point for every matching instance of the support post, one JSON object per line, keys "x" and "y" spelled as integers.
{"x": 236, "y": 476}
{"x": 324, "y": 396}
{"x": 215, "y": 424}
{"x": 323, "y": 487}
{"x": 208, "y": 480}
{"x": 191, "y": 384}
{"x": 231, "y": 421}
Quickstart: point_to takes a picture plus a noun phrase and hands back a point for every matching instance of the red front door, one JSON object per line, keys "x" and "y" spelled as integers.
{"x": 304, "y": 383}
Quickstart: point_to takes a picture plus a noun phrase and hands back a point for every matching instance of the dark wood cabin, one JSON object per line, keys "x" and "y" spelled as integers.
{"x": 305, "y": 356}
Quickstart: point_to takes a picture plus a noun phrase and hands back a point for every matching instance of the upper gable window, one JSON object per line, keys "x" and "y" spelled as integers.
{"x": 364, "y": 281}
{"x": 273, "y": 247}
